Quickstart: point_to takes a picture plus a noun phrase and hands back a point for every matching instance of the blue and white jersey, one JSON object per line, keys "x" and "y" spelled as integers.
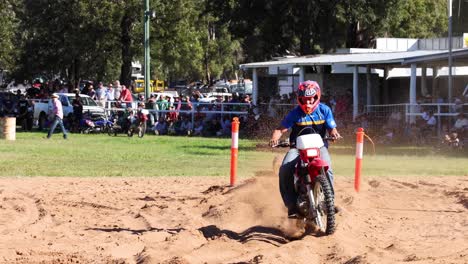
{"x": 320, "y": 120}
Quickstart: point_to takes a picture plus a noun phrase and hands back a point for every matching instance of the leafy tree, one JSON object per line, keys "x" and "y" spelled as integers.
{"x": 460, "y": 20}
{"x": 417, "y": 19}
{"x": 9, "y": 23}
{"x": 72, "y": 39}
{"x": 199, "y": 39}
{"x": 178, "y": 51}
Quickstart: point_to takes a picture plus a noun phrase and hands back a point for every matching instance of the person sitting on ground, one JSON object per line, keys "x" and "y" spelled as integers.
{"x": 186, "y": 126}
{"x": 212, "y": 127}
{"x": 178, "y": 126}
{"x": 430, "y": 125}
{"x": 225, "y": 127}
{"x": 388, "y": 135}
{"x": 461, "y": 124}
{"x": 160, "y": 127}
{"x": 198, "y": 128}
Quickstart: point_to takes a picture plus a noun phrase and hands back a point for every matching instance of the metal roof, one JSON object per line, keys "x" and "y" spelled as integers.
{"x": 460, "y": 57}
{"x": 373, "y": 58}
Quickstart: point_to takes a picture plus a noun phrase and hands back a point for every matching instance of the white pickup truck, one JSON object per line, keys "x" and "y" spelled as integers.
{"x": 42, "y": 108}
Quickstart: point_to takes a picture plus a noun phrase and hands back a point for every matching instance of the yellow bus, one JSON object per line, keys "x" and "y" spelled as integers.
{"x": 155, "y": 86}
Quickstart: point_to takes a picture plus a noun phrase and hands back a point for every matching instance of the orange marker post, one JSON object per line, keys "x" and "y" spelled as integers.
{"x": 234, "y": 149}
{"x": 359, "y": 152}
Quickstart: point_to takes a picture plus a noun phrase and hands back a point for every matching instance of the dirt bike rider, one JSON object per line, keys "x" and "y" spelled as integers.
{"x": 309, "y": 113}
{"x": 141, "y": 116}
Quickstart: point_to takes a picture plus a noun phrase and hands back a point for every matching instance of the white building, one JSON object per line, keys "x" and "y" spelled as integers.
{"x": 390, "y": 73}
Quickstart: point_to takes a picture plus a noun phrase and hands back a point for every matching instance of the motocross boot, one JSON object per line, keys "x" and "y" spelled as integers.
{"x": 293, "y": 212}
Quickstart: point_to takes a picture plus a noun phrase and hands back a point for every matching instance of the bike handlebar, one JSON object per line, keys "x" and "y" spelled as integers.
{"x": 284, "y": 143}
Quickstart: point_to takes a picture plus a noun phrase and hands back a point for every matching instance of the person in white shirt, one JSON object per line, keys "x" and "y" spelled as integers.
{"x": 117, "y": 89}
{"x": 431, "y": 120}
{"x": 109, "y": 94}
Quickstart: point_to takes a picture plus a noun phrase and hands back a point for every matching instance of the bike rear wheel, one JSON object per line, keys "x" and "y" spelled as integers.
{"x": 130, "y": 132}
{"x": 324, "y": 204}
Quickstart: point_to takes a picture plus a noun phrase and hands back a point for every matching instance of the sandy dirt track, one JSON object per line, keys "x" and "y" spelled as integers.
{"x": 202, "y": 220}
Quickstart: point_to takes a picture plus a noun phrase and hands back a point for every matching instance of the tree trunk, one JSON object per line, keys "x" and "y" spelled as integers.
{"x": 351, "y": 36}
{"x": 127, "y": 56}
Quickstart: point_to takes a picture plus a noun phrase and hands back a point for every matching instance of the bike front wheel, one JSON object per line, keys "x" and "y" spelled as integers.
{"x": 142, "y": 130}
{"x": 324, "y": 204}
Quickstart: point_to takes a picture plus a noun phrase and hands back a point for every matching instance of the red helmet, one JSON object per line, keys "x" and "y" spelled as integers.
{"x": 307, "y": 91}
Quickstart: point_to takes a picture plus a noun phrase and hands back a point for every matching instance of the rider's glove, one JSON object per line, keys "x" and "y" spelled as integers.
{"x": 273, "y": 143}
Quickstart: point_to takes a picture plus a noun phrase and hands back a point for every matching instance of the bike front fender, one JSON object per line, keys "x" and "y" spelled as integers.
{"x": 316, "y": 165}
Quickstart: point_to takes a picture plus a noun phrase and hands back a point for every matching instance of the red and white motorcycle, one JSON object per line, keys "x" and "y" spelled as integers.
{"x": 316, "y": 196}
{"x": 315, "y": 200}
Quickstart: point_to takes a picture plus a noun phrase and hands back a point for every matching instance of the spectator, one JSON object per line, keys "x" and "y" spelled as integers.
{"x": 160, "y": 128}
{"x": 63, "y": 88}
{"x": 92, "y": 92}
{"x": 117, "y": 89}
{"x": 394, "y": 121}
{"x": 177, "y": 125}
{"x": 186, "y": 126}
{"x": 225, "y": 127}
{"x": 172, "y": 115}
{"x": 274, "y": 101}
{"x": 341, "y": 107}
{"x": 9, "y": 107}
{"x": 185, "y": 105}
{"x": 430, "y": 125}
{"x": 212, "y": 127}
{"x": 126, "y": 97}
{"x": 458, "y": 105}
{"x": 100, "y": 94}
{"x": 153, "y": 106}
{"x": 86, "y": 88}
{"x": 332, "y": 103}
{"x": 461, "y": 125}
{"x": 163, "y": 105}
{"x": 109, "y": 94}
{"x": 25, "y": 113}
{"x": 388, "y": 135}
{"x": 57, "y": 113}
{"x": 198, "y": 128}
{"x": 77, "y": 112}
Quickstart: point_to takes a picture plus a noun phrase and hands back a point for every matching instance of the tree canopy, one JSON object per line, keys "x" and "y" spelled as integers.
{"x": 199, "y": 39}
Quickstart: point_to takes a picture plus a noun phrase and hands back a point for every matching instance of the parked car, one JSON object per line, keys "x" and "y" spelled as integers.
{"x": 44, "y": 106}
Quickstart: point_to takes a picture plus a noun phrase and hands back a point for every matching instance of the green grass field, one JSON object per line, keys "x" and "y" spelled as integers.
{"x": 103, "y": 155}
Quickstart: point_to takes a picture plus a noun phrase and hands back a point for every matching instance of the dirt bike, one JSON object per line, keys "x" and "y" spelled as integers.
{"x": 139, "y": 128}
{"x": 139, "y": 125}
{"x": 315, "y": 200}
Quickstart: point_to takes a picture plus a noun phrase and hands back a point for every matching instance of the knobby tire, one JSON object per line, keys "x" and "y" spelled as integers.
{"x": 329, "y": 202}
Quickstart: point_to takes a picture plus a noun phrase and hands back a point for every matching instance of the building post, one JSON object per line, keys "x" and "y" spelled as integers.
{"x": 301, "y": 74}
{"x": 147, "y": 49}
{"x": 450, "y": 83}
{"x": 412, "y": 94}
{"x": 435, "y": 92}
{"x": 254, "y": 86}
{"x": 369, "y": 85}
{"x": 424, "y": 91}
{"x": 355, "y": 92}
{"x": 386, "y": 92}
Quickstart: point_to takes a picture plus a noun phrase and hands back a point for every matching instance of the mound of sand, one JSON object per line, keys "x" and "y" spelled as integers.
{"x": 202, "y": 220}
